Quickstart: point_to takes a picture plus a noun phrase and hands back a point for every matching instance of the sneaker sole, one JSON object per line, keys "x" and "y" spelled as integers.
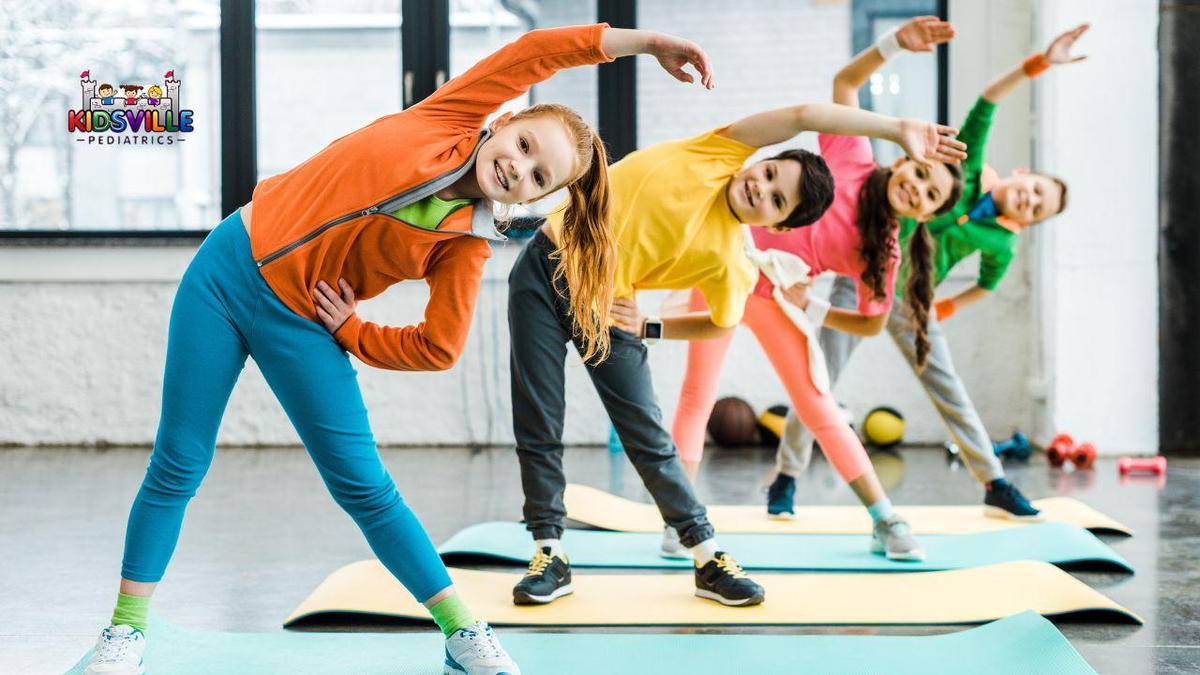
{"x": 729, "y": 602}
{"x": 785, "y": 515}
{"x": 997, "y": 512}
{"x": 521, "y": 598}
{"x": 676, "y": 555}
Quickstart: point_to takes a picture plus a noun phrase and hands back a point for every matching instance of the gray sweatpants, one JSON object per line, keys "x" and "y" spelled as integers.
{"x": 540, "y": 327}
{"x": 941, "y": 382}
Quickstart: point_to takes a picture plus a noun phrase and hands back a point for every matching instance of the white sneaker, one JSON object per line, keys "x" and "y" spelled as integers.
{"x": 118, "y": 651}
{"x": 671, "y": 548}
{"x": 475, "y": 650}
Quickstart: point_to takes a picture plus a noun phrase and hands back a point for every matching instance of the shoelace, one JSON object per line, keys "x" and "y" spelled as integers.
{"x": 731, "y": 566}
{"x": 484, "y": 643}
{"x": 110, "y": 649}
{"x": 898, "y": 526}
{"x": 538, "y": 564}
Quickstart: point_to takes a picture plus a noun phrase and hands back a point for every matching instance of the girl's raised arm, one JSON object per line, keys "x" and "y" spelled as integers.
{"x": 468, "y": 99}
{"x": 919, "y": 34}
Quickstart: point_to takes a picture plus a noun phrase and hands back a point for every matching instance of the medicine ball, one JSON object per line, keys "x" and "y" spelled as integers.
{"x": 770, "y": 425}
{"x": 883, "y": 427}
{"x": 732, "y": 423}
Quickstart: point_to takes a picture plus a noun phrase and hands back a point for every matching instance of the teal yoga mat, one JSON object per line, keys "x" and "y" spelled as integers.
{"x": 1058, "y": 543}
{"x": 1023, "y": 643}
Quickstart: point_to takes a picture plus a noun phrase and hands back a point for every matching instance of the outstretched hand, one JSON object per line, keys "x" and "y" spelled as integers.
{"x": 673, "y": 53}
{"x": 921, "y": 33}
{"x": 1059, "y": 51}
{"x": 928, "y": 142}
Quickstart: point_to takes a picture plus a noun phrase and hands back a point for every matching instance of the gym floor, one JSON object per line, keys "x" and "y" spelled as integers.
{"x": 263, "y": 533}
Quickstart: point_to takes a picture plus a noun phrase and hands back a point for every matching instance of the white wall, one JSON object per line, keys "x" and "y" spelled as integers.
{"x": 82, "y": 330}
{"x": 1098, "y": 126}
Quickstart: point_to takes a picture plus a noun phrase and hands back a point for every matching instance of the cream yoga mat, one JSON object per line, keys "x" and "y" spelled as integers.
{"x": 610, "y": 512}
{"x": 970, "y": 595}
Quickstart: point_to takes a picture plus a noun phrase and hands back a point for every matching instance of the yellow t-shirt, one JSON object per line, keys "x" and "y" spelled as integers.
{"x": 673, "y": 224}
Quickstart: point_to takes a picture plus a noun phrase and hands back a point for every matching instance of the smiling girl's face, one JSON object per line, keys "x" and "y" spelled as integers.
{"x": 918, "y": 190}
{"x": 525, "y": 159}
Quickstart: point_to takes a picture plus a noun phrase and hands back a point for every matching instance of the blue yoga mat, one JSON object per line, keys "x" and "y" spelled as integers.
{"x": 1057, "y": 543}
{"x": 1023, "y": 643}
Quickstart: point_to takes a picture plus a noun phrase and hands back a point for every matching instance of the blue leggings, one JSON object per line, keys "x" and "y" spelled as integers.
{"x": 224, "y": 312}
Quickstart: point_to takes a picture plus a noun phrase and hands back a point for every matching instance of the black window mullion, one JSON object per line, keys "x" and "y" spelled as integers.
{"x": 424, "y": 47}
{"x": 239, "y": 144}
{"x": 943, "y": 69}
{"x": 617, "y": 85}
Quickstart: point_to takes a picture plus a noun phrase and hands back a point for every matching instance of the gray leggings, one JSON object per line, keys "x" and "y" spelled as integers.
{"x": 942, "y": 384}
{"x": 540, "y": 327}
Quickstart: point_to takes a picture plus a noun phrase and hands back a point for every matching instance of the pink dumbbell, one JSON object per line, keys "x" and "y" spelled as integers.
{"x": 1156, "y": 465}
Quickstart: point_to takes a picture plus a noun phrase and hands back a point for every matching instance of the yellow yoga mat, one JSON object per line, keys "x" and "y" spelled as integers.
{"x": 971, "y": 595}
{"x": 610, "y": 512}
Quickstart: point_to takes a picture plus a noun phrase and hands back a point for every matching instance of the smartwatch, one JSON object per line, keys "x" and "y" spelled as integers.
{"x": 652, "y": 330}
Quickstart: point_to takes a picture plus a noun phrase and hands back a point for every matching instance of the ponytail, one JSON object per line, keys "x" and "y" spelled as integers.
{"x": 919, "y": 289}
{"x": 587, "y": 255}
{"x": 877, "y": 230}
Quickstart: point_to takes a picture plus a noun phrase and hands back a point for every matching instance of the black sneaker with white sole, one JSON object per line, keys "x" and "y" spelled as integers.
{"x": 722, "y": 579}
{"x": 548, "y": 578}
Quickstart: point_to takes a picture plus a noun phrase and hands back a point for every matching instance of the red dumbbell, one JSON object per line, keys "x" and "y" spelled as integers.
{"x": 1059, "y": 449}
{"x": 1155, "y": 465}
{"x": 1083, "y": 455}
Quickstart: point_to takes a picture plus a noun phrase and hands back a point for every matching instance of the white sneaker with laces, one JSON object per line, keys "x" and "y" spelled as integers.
{"x": 475, "y": 650}
{"x": 671, "y": 547}
{"x": 118, "y": 651}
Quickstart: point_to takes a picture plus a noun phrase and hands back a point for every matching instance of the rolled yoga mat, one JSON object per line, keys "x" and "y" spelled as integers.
{"x": 610, "y": 512}
{"x": 970, "y": 595}
{"x": 1025, "y": 643}
{"x": 1057, "y": 543}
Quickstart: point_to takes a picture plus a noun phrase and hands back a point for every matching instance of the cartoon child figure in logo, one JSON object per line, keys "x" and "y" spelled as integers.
{"x": 131, "y": 93}
{"x": 106, "y": 94}
{"x": 153, "y": 94}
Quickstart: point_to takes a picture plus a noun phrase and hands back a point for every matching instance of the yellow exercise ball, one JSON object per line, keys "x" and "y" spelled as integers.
{"x": 883, "y": 427}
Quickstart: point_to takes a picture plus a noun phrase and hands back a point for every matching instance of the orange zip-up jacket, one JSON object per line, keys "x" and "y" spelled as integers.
{"x": 328, "y": 217}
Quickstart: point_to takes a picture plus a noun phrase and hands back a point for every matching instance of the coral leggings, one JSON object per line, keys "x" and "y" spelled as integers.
{"x": 787, "y": 349}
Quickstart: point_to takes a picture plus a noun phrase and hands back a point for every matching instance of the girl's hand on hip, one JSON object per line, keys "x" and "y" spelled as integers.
{"x": 673, "y": 53}
{"x": 334, "y": 309}
{"x": 928, "y": 142}
{"x": 797, "y": 294}
{"x": 921, "y": 33}
{"x": 626, "y": 316}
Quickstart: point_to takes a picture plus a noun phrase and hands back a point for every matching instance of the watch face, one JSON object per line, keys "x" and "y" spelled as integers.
{"x": 653, "y": 330}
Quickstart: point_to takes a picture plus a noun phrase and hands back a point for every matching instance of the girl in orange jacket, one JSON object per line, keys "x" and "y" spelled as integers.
{"x": 406, "y": 197}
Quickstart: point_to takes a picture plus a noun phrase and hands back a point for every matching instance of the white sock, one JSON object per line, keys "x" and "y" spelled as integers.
{"x": 705, "y": 551}
{"x": 555, "y": 545}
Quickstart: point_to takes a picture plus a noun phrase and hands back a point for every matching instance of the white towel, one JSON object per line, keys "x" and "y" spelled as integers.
{"x": 785, "y": 269}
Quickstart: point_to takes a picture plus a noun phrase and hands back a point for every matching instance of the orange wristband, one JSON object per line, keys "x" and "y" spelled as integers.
{"x": 944, "y": 309}
{"x": 1036, "y": 65}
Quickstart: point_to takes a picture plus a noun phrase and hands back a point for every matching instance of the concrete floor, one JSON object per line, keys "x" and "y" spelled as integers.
{"x": 263, "y": 533}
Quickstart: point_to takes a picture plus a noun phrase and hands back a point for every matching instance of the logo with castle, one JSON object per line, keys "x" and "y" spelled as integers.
{"x": 130, "y": 114}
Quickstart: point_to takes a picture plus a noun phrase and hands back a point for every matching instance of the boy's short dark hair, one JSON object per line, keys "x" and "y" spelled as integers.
{"x": 1062, "y": 186}
{"x": 816, "y": 188}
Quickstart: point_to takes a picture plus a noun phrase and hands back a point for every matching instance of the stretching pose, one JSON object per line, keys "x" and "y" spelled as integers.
{"x": 987, "y": 218}
{"x": 679, "y": 208}
{"x": 406, "y": 197}
{"x": 856, "y": 238}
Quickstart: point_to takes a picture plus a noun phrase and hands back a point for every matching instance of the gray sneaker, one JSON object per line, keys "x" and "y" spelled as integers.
{"x": 893, "y": 537}
{"x": 671, "y": 548}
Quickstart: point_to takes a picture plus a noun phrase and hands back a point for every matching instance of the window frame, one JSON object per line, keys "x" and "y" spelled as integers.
{"x": 863, "y": 12}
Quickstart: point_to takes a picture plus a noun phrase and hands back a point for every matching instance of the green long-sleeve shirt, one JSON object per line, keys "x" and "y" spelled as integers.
{"x": 954, "y": 240}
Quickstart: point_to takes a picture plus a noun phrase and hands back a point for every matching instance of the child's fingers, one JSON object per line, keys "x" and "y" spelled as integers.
{"x": 347, "y": 291}
{"x": 1077, "y": 59}
{"x": 324, "y": 317}
{"x": 947, "y": 142}
{"x": 944, "y": 130}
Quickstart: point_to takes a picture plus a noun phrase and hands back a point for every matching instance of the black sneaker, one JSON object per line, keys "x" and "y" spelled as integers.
{"x": 723, "y": 580}
{"x": 780, "y": 497}
{"x": 1004, "y": 500}
{"x": 548, "y": 578}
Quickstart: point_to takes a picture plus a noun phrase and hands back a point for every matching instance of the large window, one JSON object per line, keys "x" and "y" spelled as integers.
{"x": 56, "y": 56}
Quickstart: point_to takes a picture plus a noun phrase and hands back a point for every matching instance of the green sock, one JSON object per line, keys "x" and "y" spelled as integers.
{"x": 131, "y": 610}
{"x": 450, "y": 614}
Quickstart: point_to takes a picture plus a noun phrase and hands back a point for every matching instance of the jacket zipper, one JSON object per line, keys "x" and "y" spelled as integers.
{"x": 390, "y": 204}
